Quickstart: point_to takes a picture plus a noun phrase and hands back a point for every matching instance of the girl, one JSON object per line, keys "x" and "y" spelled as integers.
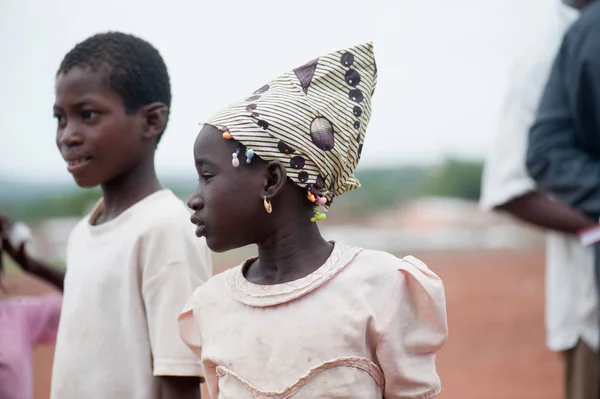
{"x": 307, "y": 318}
{"x": 24, "y": 321}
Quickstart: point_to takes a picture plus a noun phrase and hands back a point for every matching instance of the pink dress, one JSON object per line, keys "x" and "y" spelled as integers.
{"x": 24, "y": 322}
{"x": 365, "y": 325}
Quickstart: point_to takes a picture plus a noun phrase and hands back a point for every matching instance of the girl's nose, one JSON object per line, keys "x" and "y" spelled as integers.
{"x": 195, "y": 202}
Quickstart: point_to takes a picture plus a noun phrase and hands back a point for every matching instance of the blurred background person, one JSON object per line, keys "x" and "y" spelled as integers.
{"x": 571, "y": 305}
{"x": 25, "y": 320}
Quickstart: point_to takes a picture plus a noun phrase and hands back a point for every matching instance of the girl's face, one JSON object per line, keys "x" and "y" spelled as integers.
{"x": 228, "y": 201}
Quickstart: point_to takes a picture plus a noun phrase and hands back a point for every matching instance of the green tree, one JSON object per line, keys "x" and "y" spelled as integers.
{"x": 382, "y": 188}
{"x": 455, "y": 178}
{"x": 33, "y": 209}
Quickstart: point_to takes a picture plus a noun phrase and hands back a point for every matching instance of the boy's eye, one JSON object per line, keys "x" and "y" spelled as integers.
{"x": 59, "y": 119}
{"x": 206, "y": 176}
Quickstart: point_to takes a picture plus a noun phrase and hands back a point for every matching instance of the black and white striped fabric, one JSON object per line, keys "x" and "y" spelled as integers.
{"x": 312, "y": 119}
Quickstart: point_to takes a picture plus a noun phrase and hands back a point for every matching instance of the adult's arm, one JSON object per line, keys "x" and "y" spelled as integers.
{"x": 540, "y": 210}
{"x": 564, "y": 142}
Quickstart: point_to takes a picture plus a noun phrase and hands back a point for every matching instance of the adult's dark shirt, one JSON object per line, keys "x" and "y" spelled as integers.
{"x": 563, "y": 154}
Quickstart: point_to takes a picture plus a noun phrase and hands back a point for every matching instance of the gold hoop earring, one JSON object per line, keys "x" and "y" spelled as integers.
{"x": 267, "y": 204}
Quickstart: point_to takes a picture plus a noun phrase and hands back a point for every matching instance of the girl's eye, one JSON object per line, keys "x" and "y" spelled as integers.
{"x": 204, "y": 176}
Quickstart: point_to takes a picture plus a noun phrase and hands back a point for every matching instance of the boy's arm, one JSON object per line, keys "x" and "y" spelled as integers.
{"x": 164, "y": 296}
{"x": 41, "y": 269}
{"x": 179, "y": 387}
{"x": 174, "y": 263}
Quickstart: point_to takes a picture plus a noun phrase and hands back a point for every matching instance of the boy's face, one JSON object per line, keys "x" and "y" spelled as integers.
{"x": 96, "y": 137}
{"x": 227, "y": 200}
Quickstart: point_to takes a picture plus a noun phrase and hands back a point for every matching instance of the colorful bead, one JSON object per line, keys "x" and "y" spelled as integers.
{"x": 321, "y": 200}
{"x": 227, "y": 136}
{"x": 249, "y": 155}
{"x": 234, "y": 160}
{"x": 317, "y": 215}
{"x": 311, "y": 197}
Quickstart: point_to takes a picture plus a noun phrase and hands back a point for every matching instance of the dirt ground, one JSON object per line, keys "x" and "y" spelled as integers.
{"x": 495, "y": 311}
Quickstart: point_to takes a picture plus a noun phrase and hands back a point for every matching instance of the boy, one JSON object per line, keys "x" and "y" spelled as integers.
{"x": 133, "y": 261}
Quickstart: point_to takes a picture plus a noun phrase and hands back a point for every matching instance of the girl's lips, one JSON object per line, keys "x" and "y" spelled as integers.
{"x": 200, "y": 230}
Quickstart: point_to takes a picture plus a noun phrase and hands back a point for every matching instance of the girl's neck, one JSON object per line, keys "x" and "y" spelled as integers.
{"x": 289, "y": 254}
{"x": 128, "y": 189}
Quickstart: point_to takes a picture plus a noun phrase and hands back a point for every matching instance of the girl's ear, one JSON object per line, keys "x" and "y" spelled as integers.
{"x": 276, "y": 177}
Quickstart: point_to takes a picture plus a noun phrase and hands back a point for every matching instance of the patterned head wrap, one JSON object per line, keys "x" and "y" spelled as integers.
{"x": 312, "y": 119}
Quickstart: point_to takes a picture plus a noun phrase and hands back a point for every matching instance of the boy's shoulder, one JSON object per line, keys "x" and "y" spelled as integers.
{"x": 163, "y": 217}
{"x": 162, "y": 208}
{"x": 162, "y": 212}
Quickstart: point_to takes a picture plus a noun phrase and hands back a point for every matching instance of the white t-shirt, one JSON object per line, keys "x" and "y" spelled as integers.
{"x": 570, "y": 289}
{"x": 127, "y": 280}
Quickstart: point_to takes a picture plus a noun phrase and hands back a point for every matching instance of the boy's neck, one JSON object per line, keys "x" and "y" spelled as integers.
{"x": 128, "y": 189}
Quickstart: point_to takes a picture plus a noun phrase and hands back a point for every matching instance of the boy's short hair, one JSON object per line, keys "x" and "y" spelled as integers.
{"x": 134, "y": 68}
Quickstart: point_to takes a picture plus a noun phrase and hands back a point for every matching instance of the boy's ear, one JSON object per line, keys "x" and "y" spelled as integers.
{"x": 275, "y": 179}
{"x": 155, "y": 120}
